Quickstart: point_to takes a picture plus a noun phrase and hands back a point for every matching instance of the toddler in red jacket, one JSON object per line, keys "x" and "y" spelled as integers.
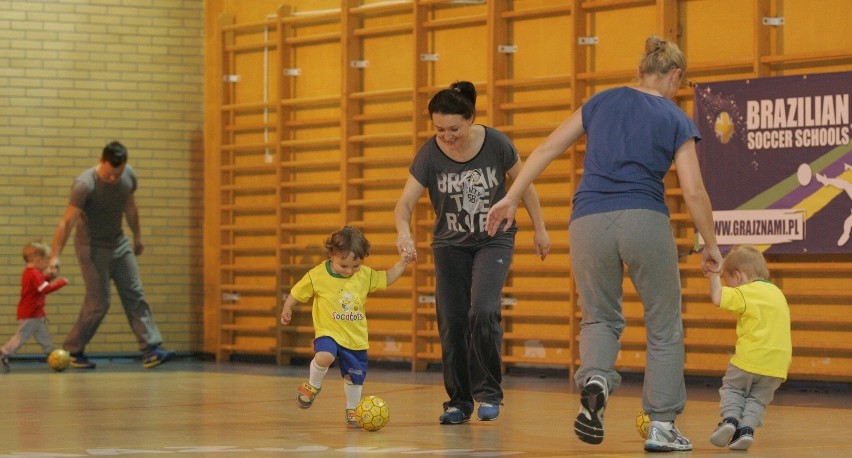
{"x": 37, "y": 281}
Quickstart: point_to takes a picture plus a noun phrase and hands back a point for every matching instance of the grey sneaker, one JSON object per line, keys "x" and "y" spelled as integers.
{"x": 721, "y": 437}
{"x": 742, "y": 438}
{"x": 589, "y": 423}
{"x": 4, "y": 359}
{"x": 664, "y": 439}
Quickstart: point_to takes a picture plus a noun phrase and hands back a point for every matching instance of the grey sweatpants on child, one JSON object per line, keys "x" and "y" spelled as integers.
{"x": 745, "y": 395}
{"x": 601, "y": 245}
{"x": 36, "y": 327}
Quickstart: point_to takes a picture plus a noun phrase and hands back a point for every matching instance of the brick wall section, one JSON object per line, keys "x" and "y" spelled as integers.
{"x": 75, "y": 75}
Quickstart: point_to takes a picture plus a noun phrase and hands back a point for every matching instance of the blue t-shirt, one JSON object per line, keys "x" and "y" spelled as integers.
{"x": 631, "y": 139}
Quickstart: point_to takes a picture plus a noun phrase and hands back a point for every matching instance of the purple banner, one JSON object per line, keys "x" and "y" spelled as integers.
{"x": 777, "y": 161}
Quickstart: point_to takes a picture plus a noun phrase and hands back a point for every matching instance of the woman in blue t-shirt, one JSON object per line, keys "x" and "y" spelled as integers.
{"x": 620, "y": 217}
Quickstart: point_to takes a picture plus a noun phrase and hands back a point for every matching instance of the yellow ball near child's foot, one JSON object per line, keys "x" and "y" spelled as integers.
{"x": 372, "y": 413}
{"x": 59, "y": 360}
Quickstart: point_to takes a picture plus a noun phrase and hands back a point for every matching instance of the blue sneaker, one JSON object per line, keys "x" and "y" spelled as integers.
{"x": 453, "y": 416}
{"x": 80, "y": 361}
{"x": 488, "y": 411}
{"x": 156, "y": 356}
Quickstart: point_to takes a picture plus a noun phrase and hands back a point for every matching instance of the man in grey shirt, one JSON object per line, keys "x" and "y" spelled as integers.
{"x": 100, "y": 197}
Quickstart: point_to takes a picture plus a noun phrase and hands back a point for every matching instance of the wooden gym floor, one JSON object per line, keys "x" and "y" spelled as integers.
{"x": 248, "y": 410}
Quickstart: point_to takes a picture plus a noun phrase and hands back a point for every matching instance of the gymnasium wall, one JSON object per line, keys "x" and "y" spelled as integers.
{"x": 315, "y": 108}
{"x": 75, "y": 75}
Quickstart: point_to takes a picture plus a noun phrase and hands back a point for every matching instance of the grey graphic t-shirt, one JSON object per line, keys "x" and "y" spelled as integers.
{"x": 463, "y": 192}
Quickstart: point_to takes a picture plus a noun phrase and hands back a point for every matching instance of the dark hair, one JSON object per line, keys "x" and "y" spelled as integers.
{"x": 115, "y": 153}
{"x": 458, "y": 99}
{"x": 347, "y": 240}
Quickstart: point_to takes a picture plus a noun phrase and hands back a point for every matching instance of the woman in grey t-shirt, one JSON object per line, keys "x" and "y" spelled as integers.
{"x": 464, "y": 167}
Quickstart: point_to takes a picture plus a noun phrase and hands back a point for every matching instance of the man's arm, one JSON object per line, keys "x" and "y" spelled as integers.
{"x": 131, "y": 212}
{"x": 63, "y": 231}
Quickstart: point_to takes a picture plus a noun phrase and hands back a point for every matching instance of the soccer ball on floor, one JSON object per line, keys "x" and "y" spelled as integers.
{"x": 59, "y": 360}
{"x": 372, "y": 413}
{"x": 642, "y": 423}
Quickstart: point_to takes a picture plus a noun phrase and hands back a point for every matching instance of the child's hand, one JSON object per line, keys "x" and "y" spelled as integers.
{"x": 407, "y": 257}
{"x": 711, "y": 260}
{"x": 51, "y": 272}
{"x": 286, "y": 315}
{"x": 406, "y": 247}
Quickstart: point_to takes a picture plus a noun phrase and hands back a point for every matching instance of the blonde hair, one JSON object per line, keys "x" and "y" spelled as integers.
{"x": 35, "y": 249}
{"x": 660, "y": 57}
{"x": 748, "y": 260}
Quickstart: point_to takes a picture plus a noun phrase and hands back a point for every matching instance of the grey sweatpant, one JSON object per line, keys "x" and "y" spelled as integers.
{"x": 745, "y": 395}
{"x": 99, "y": 265}
{"x": 36, "y": 327}
{"x": 601, "y": 245}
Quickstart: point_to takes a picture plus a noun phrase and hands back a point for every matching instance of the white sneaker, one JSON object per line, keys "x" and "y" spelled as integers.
{"x": 721, "y": 437}
{"x": 742, "y": 438}
{"x": 665, "y": 439}
{"x": 589, "y": 423}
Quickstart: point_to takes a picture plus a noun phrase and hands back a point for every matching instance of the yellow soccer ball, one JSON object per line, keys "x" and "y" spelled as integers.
{"x": 372, "y": 413}
{"x": 642, "y": 423}
{"x": 59, "y": 360}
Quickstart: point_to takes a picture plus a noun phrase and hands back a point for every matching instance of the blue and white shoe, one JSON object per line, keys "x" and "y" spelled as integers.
{"x": 488, "y": 411}
{"x": 453, "y": 416}
{"x": 663, "y": 438}
{"x": 156, "y": 356}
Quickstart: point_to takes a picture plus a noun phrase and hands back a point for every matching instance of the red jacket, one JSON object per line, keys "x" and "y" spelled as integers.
{"x": 34, "y": 288}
